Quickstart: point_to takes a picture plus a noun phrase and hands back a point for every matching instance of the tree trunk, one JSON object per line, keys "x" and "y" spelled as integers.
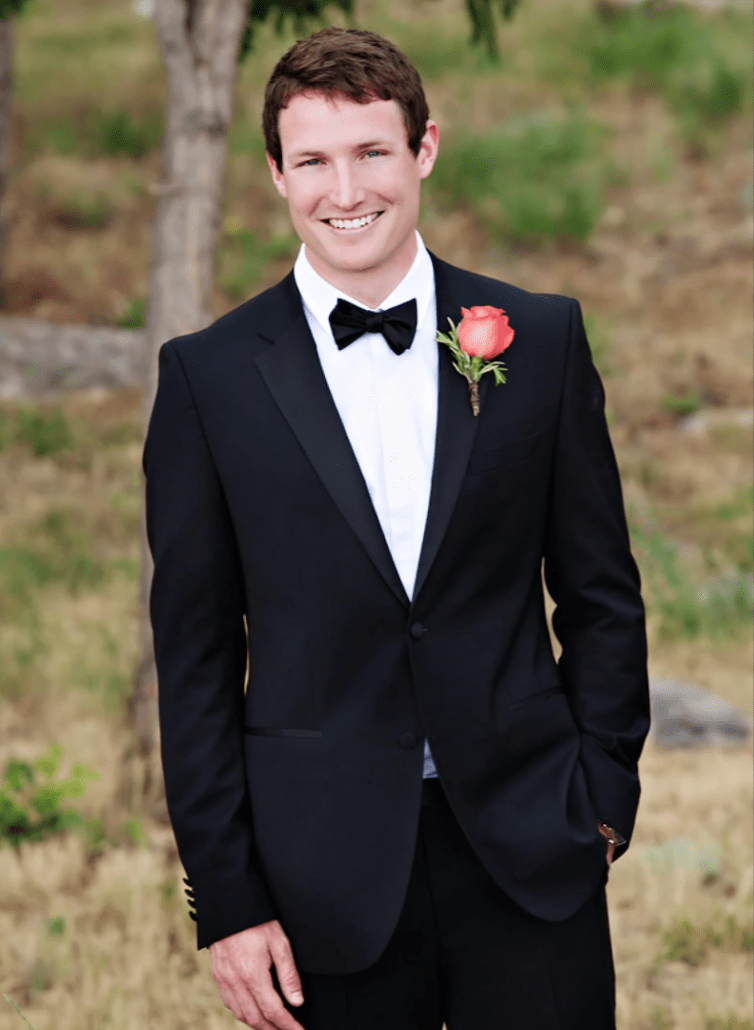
{"x": 199, "y": 41}
{"x": 6, "y": 95}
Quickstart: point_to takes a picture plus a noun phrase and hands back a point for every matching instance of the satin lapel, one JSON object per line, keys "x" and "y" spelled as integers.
{"x": 456, "y": 425}
{"x": 294, "y": 376}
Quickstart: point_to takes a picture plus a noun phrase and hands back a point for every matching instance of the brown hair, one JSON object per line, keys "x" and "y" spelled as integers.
{"x": 353, "y": 63}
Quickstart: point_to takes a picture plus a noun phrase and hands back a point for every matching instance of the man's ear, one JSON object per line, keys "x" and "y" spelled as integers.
{"x": 428, "y": 149}
{"x": 277, "y": 176}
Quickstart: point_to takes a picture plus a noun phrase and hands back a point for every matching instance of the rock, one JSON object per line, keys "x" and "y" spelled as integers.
{"x": 684, "y": 715}
{"x": 701, "y": 422}
{"x": 682, "y": 853}
{"x": 41, "y": 359}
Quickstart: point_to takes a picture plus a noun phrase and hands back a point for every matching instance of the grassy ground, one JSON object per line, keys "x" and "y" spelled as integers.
{"x": 608, "y": 161}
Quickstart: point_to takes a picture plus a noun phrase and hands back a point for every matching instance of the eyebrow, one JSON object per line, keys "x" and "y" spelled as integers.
{"x": 358, "y": 146}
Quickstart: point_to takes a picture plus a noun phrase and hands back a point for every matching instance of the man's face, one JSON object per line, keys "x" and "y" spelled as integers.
{"x": 351, "y": 183}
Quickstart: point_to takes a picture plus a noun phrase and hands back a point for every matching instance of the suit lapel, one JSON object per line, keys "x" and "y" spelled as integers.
{"x": 456, "y": 425}
{"x": 294, "y": 376}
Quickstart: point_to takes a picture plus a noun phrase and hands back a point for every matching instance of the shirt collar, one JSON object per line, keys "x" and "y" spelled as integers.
{"x": 320, "y": 296}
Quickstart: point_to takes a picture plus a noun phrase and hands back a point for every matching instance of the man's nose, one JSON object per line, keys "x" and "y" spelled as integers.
{"x": 346, "y": 189}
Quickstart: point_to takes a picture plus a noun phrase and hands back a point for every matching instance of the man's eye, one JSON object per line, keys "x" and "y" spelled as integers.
{"x": 310, "y": 161}
{"x": 376, "y": 153}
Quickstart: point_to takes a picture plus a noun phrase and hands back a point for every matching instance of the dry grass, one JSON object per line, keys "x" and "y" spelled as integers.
{"x": 666, "y": 280}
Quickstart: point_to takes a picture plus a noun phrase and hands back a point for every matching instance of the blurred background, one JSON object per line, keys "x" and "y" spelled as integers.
{"x": 593, "y": 148}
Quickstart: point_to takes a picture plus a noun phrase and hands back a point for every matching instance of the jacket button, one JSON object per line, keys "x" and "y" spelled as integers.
{"x": 407, "y": 741}
{"x": 417, "y": 630}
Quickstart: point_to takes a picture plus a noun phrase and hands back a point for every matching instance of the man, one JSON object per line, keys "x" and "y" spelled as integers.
{"x": 399, "y": 814}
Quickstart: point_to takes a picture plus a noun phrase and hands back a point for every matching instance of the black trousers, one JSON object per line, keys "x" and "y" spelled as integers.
{"x": 465, "y": 955}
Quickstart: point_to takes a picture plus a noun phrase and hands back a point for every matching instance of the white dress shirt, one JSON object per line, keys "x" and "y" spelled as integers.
{"x": 388, "y": 406}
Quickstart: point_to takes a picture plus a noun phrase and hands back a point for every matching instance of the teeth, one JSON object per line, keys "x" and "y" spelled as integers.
{"x": 351, "y": 223}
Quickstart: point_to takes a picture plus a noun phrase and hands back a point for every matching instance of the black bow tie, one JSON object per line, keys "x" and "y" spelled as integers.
{"x": 397, "y": 325}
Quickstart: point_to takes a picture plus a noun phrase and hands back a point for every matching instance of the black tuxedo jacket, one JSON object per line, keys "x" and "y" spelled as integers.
{"x": 295, "y": 794}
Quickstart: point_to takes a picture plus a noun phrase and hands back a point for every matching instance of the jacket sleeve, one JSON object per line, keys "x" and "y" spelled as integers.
{"x": 593, "y": 579}
{"x": 197, "y": 611}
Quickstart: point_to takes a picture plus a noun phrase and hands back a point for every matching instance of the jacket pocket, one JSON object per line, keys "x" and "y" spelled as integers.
{"x": 498, "y": 457}
{"x": 534, "y": 699}
{"x": 280, "y": 731}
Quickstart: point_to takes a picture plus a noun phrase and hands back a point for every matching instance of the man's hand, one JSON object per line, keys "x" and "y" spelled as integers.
{"x": 241, "y": 968}
{"x": 611, "y": 847}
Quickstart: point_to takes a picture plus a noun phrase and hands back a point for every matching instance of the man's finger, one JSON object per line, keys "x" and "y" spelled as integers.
{"x": 271, "y": 1006}
{"x": 251, "y": 1012}
{"x": 285, "y": 968}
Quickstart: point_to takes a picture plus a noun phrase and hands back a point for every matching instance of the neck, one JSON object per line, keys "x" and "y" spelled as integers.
{"x": 369, "y": 286}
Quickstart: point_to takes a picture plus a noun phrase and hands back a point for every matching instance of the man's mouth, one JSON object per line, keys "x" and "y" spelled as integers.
{"x": 352, "y": 223}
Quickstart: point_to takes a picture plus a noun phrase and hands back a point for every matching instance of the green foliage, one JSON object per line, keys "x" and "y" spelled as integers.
{"x": 31, "y": 811}
{"x": 660, "y": 1019}
{"x": 134, "y": 831}
{"x": 118, "y": 132}
{"x": 301, "y": 14}
{"x": 482, "y": 18}
{"x": 58, "y": 552}
{"x": 599, "y": 344}
{"x": 638, "y": 43}
{"x": 56, "y": 926}
{"x": 693, "y": 62}
{"x": 716, "y": 609}
{"x": 44, "y": 431}
{"x": 435, "y": 53}
{"x": 17, "y": 1010}
{"x": 682, "y": 404}
{"x": 74, "y": 42}
{"x": 704, "y": 101}
{"x": 9, "y": 8}
{"x": 135, "y": 314}
{"x": 84, "y": 210}
{"x": 243, "y": 258}
{"x": 742, "y": 503}
{"x": 731, "y": 1022}
{"x": 685, "y": 942}
{"x": 92, "y": 132}
{"x": 534, "y": 179}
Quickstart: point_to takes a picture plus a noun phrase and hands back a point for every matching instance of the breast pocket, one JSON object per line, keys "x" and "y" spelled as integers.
{"x": 499, "y": 457}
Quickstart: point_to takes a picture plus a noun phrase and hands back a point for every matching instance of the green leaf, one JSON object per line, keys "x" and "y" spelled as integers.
{"x": 48, "y": 763}
{"x": 18, "y": 773}
{"x": 81, "y": 771}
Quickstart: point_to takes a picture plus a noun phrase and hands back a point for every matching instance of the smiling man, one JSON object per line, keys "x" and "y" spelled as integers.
{"x": 395, "y": 808}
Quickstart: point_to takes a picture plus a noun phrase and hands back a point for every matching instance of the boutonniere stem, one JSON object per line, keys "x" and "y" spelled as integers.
{"x": 482, "y": 334}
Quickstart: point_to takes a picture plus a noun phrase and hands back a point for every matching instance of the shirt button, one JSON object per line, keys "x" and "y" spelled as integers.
{"x": 417, "y": 630}
{"x": 407, "y": 741}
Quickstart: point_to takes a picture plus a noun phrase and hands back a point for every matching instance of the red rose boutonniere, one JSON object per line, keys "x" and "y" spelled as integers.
{"x": 482, "y": 334}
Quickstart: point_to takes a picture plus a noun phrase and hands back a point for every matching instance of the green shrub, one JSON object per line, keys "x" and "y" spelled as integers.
{"x": 118, "y": 132}
{"x": 731, "y": 1022}
{"x": 31, "y": 811}
{"x": 243, "y": 258}
{"x": 532, "y": 180}
{"x": 45, "y": 431}
{"x": 599, "y": 344}
{"x": 682, "y": 404}
{"x": 706, "y": 99}
{"x": 718, "y": 608}
{"x": 639, "y": 43}
{"x": 90, "y": 133}
{"x": 135, "y": 314}
{"x": 81, "y": 210}
{"x": 685, "y": 942}
{"x": 57, "y": 551}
